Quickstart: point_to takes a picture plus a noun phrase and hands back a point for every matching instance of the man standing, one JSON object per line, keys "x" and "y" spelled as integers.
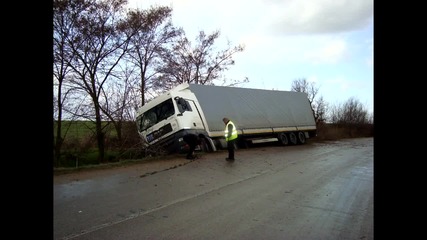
{"x": 230, "y": 134}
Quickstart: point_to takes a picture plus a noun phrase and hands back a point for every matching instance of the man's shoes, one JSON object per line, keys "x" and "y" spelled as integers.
{"x": 191, "y": 157}
{"x": 229, "y": 159}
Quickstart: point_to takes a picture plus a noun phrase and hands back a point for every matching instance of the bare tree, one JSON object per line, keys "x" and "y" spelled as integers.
{"x": 371, "y": 118}
{"x": 350, "y": 112}
{"x": 97, "y": 45}
{"x": 62, "y": 29}
{"x": 117, "y": 97}
{"x": 352, "y": 116}
{"x": 318, "y": 107}
{"x": 152, "y": 32}
{"x": 60, "y": 68}
{"x": 199, "y": 65}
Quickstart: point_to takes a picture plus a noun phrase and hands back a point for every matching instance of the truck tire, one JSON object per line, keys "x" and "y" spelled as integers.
{"x": 293, "y": 138}
{"x": 206, "y": 146}
{"x": 283, "y": 139}
{"x": 243, "y": 143}
{"x": 301, "y": 138}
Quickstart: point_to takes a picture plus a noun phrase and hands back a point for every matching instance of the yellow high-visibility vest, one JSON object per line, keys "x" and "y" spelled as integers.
{"x": 233, "y": 133}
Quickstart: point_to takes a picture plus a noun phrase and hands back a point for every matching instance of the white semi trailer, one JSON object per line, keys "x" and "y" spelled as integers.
{"x": 259, "y": 115}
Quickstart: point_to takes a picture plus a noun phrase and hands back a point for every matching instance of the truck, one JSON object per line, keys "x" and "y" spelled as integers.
{"x": 259, "y": 115}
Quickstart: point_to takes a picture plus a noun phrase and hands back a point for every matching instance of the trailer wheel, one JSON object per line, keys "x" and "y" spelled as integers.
{"x": 293, "y": 138}
{"x": 283, "y": 139}
{"x": 243, "y": 143}
{"x": 301, "y": 138}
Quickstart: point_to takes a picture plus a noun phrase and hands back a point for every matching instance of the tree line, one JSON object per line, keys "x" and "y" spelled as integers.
{"x": 109, "y": 60}
{"x": 351, "y": 111}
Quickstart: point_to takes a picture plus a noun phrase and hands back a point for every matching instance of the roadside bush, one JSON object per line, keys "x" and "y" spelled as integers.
{"x": 330, "y": 131}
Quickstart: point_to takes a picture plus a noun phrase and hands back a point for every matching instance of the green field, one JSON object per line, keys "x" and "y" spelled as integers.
{"x": 81, "y": 129}
{"x": 80, "y": 145}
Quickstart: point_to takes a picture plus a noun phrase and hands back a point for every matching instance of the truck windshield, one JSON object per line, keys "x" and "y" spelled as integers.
{"x": 155, "y": 115}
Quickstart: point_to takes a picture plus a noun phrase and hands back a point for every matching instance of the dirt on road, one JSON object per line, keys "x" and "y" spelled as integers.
{"x": 138, "y": 168}
{"x": 142, "y": 169}
{"x": 148, "y": 167}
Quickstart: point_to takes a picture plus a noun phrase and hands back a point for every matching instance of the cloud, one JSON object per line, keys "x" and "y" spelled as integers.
{"x": 297, "y": 49}
{"x": 320, "y": 16}
{"x": 331, "y": 52}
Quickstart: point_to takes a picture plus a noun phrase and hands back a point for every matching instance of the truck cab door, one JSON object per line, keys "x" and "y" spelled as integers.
{"x": 196, "y": 119}
{"x": 190, "y": 113}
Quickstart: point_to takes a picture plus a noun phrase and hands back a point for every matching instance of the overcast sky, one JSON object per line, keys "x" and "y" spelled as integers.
{"x": 328, "y": 42}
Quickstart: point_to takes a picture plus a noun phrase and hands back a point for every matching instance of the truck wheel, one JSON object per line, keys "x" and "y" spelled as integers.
{"x": 283, "y": 139}
{"x": 301, "y": 138}
{"x": 293, "y": 138}
{"x": 206, "y": 146}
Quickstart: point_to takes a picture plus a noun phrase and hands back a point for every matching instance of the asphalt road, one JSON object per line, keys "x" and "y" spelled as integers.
{"x": 312, "y": 191}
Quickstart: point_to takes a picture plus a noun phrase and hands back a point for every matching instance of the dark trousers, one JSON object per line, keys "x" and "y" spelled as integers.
{"x": 192, "y": 140}
{"x": 230, "y": 148}
{"x": 190, "y": 153}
